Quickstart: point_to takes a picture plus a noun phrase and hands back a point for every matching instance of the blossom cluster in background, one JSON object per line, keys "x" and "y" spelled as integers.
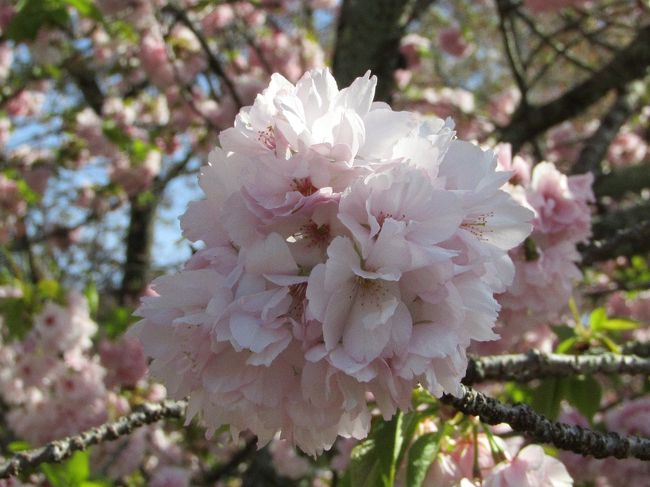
{"x": 349, "y": 249}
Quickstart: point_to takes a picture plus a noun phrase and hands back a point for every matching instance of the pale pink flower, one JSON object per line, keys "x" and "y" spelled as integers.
{"x": 27, "y": 103}
{"x": 503, "y": 105}
{"x": 7, "y": 12}
{"x": 66, "y": 328}
{"x": 219, "y": 18}
{"x": 411, "y": 47}
{"x": 560, "y": 203}
{"x": 563, "y": 142}
{"x": 6, "y": 60}
{"x": 452, "y": 41}
{"x": 303, "y": 306}
{"x": 324, "y": 4}
{"x": 124, "y": 361}
{"x": 449, "y": 469}
{"x": 155, "y": 62}
{"x": 630, "y": 417}
{"x": 286, "y": 460}
{"x": 530, "y": 468}
{"x": 627, "y": 148}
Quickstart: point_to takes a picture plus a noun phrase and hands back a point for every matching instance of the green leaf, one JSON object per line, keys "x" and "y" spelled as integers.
{"x": 373, "y": 463}
{"x": 92, "y": 296}
{"x": 31, "y": 15}
{"x": 585, "y": 394}
{"x": 19, "y": 445}
{"x": 409, "y": 424}
{"x": 86, "y": 8}
{"x": 118, "y": 321}
{"x": 619, "y": 324}
{"x": 566, "y": 345}
{"x": 518, "y": 393}
{"x": 72, "y": 473}
{"x": 49, "y": 288}
{"x": 597, "y": 318}
{"x": 564, "y": 332}
{"x": 421, "y": 455}
{"x": 547, "y": 396}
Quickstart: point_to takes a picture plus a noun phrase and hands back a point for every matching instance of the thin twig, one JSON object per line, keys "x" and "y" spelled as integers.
{"x": 213, "y": 62}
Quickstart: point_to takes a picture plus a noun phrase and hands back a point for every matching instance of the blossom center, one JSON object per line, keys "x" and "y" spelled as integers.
{"x": 478, "y": 226}
{"x": 303, "y": 186}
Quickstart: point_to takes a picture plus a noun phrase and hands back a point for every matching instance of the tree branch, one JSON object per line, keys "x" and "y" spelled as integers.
{"x": 627, "y": 179}
{"x": 213, "y": 62}
{"x": 368, "y": 38}
{"x": 536, "y": 365}
{"x": 59, "y": 450}
{"x": 595, "y": 148}
{"x": 627, "y": 242}
{"x": 628, "y": 64}
{"x": 610, "y": 223}
{"x": 523, "y": 419}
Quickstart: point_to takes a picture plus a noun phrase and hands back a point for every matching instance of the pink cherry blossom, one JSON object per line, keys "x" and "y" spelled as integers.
{"x": 124, "y": 361}
{"x": 452, "y": 41}
{"x": 349, "y": 250}
{"x": 530, "y": 468}
{"x": 560, "y": 203}
{"x": 631, "y": 417}
{"x": 627, "y": 148}
{"x": 411, "y": 47}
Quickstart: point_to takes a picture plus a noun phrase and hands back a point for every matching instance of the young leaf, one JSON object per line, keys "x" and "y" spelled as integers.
{"x": 421, "y": 455}
{"x": 584, "y": 393}
{"x": 373, "y": 463}
{"x": 546, "y": 397}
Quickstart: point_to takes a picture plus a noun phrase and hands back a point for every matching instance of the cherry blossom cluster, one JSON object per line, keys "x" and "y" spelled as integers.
{"x": 546, "y": 269}
{"x": 53, "y": 386}
{"x": 52, "y": 381}
{"x": 491, "y": 462}
{"x": 348, "y": 249}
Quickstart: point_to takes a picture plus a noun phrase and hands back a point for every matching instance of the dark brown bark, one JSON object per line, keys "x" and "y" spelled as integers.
{"x": 368, "y": 38}
{"x": 139, "y": 240}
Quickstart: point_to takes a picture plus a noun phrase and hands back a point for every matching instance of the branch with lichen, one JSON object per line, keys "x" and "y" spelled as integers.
{"x": 523, "y": 419}
{"x": 516, "y": 367}
{"x": 536, "y": 365}
{"x": 59, "y": 450}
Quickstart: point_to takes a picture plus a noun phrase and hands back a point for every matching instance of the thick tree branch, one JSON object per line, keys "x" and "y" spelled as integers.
{"x": 139, "y": 239}
{"x": 627, "y": 179}
{"x": 628, "y": 64}
{"x": 595, "y": 148}
{"x": 59, "y": 450}
{"x": 523, "y": 419}
{"x": 536, "y": 365}
{"x": 626, "y": 242}
{"x": 609, "y": 223}
{"x": 368, "y": 38}
{"x": 640, "y": 349}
